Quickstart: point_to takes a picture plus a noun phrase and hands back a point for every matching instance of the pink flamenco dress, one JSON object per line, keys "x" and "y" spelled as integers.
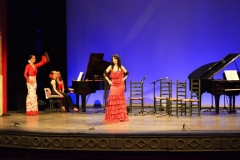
{"x": 116, "y": 109}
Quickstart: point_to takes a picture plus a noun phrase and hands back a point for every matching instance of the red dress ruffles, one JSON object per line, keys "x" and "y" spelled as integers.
{"x": 116, "y": 109}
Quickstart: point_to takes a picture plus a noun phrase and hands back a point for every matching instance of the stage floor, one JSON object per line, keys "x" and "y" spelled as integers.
{"x": 87, "y": 132}
{"x": 91, "y": 122}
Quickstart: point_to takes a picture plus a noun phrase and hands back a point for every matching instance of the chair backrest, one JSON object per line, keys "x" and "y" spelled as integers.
{"x": 181, "y": 89}
{"x": 166, "y": 88}
{"x": 47, "y": 93}
{"x": 196, "y": 89}
{"x": 136, "y": 88}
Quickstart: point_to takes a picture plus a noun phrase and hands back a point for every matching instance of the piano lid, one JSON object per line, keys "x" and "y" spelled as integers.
{"x": 207, "y": 71}
{"x": 96, "y": 66}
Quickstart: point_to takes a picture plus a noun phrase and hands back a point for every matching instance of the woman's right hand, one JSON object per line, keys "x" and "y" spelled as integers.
{"x": 110, "y": 83}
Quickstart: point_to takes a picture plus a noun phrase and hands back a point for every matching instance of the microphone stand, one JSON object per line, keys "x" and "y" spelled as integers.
{"x": 154, "y": 105}
{"x": 154, "y": 96}
{"x": 169, "y": 103}
{"x": 142, "y": 107}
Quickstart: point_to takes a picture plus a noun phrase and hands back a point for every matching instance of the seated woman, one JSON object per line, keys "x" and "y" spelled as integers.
{"x": 61, "y": 88}
{"x": 59, "y": 79}
{"x": 54, "y": 89}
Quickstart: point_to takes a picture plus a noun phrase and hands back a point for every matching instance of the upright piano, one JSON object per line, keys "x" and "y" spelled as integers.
{"x": 217, "y": 87}
{"x": 93, "y": 80}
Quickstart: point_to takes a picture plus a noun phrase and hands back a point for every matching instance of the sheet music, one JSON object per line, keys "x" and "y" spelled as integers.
{"x": 80, "y": 76}
{"x": 231, "y": 75}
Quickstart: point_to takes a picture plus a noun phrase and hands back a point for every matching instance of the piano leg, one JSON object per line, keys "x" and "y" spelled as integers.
{"x": 84, "y": 103}
{"x": 234, "y": 111}
{"x": 232, "y": 104}
{"x": 217, "y": 98}
{"x": 77, "y": 101}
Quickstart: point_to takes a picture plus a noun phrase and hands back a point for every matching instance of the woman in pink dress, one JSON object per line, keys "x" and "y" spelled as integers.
{"x": 30, "y": 74}
{"x": 116, "y": 74}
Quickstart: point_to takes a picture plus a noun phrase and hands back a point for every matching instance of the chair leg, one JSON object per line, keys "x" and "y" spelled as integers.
{"x": 51, "y": 107}
{"x": 190, "y": 109}
{"x": 177, "y": 108}
{"x": 142, "y": 107}
{"x": 154, "y": 106}
{"x": 130, "y": 107}
{"x": 198, "y": 109}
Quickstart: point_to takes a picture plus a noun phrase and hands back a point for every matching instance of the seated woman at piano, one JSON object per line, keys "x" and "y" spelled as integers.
{"x": 66, "y": 98}
{"x": 116, "y": 74}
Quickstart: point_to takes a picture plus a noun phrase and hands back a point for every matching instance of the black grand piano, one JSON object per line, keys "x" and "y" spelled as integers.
{"x": 93, "y": 80}
{"x": 218, "y": 87}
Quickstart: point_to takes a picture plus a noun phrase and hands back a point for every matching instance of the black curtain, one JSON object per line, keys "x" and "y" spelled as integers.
{"x": 34, "y": 26}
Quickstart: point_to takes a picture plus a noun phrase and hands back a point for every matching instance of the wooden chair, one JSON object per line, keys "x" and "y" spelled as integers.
{"x": 176, "y": 102}
{"x": 136, "y": 96}
{"x": 193, "y": 105}
{"x": 52, "y": 99}
{"x": 161, "y": 101}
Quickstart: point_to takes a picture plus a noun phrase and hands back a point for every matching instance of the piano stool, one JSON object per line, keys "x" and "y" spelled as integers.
{"x": 52, "y": 99}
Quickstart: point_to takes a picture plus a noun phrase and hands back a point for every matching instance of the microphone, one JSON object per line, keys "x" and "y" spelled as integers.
{"x": 144, "y": 78}
{"x": 15, "y": 123}
{"x": 159, "y": 80}
{"x": 163, "y": 78}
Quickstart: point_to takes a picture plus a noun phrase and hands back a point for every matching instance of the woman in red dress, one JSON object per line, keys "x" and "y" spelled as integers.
{"x": 116, "y": 74}
{"x": 61, "y": 88}
{"x": 60, "y": 82}
{"x": 30, "y": 74}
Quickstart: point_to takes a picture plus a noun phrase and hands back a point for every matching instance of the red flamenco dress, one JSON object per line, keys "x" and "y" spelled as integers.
{"x": 116, "y": 109}
{"x": 30, "y": 74}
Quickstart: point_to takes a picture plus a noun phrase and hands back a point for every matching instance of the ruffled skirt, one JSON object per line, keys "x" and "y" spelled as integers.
{"x": 116, "y": 110}
{"x": 31, "y": 99}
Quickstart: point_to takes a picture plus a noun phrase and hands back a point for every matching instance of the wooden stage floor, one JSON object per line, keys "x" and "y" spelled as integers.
{"x": 87, "y": 132}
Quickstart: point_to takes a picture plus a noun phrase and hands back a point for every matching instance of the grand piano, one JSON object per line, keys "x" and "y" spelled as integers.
{"x": 218, "y": 87}
{"x": 93, "y": 80}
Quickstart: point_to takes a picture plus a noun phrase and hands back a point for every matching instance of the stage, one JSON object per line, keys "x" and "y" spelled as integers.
{"x": 149, "y": 133}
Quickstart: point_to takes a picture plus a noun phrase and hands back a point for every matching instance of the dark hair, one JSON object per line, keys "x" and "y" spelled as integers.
{"x": 60, "y": 78}
{"x": 31, "y": 56}
{"x": 119, "y": 63}
{"x": 52, "y": 72}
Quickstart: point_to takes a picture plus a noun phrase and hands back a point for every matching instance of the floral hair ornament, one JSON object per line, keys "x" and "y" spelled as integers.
{"x": 50, "y": 75}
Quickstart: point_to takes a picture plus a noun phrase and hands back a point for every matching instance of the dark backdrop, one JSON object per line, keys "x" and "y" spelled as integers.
{"x": 34, "y": 26}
